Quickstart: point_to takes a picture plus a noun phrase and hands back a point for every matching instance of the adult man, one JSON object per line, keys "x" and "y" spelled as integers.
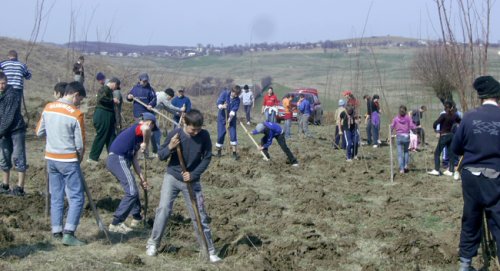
{"x": 304, "y": 113}
{"x": 146, "y": 94}
{"x": 248, "y": 102}
{"x": 272, "y": 131}
{"x": 12, "y": 137}
{"x": 79, "y": 70}
{"x": 368, "y": 118}
{"x": 228, "y": 100}
{"x": 63, "y": 125}
{"x": 416, "y": 116}
{"x": 15, "y": 71}
{"x": 287, "y": 105}
{"x": 104, "y": 119}
{"x": 197, "y": 152}
{"x": 478, "y": 140}
{"x": 179, "y": 102}
{"x": 124, "y": 152}
{"x": 100, "y": 78}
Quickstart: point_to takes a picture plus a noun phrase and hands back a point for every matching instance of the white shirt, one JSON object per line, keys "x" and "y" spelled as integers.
{"x": 247, "y": 97}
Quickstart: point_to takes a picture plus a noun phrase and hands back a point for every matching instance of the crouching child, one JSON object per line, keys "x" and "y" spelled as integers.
{"x": 196, "y": 148}
{"x": 272, "y": 131}
{"x": 123, "y": 153}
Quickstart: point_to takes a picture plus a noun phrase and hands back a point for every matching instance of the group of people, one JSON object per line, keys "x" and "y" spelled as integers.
{"x": 473, "y": 136}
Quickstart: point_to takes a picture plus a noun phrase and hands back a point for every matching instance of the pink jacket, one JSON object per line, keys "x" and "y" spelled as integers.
{"x": 402, "y": 124}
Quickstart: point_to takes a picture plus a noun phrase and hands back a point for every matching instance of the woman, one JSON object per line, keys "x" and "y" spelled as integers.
{"x": 402, "y": 124}
{"x": 270, "y": 105}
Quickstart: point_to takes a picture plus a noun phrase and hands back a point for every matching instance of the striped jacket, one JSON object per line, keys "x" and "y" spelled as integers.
{"x": 16, "y": 72}
{"x": 62, "y": 123}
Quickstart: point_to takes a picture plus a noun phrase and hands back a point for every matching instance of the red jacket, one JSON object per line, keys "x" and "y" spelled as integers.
{"x": 270, "y": 100}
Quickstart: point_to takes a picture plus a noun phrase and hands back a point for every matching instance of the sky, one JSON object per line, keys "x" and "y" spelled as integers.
{"x": 226, "y": 22}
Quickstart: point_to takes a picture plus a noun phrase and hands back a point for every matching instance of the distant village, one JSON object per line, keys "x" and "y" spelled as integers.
{"x": 343, "y": 46}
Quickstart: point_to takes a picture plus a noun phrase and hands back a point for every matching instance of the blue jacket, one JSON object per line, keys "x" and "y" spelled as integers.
{"x": 179, "y": 102}
{"x": 146, "y": 94}
{"x": 271, "y": 131}
{"x": 225, "y": 97}
{"x": 127, "y": 142}
{"x": 478, "y": 138}
{"x": 305, "y": 107}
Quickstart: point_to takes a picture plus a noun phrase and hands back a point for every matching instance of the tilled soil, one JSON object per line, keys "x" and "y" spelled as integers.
{"x": 327, "y": 214}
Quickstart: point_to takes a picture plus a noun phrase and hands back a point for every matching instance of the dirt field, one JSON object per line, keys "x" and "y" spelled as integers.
{"x": 327, "y": 214}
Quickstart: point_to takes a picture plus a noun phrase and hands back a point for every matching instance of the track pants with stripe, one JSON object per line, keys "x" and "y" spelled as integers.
{"x": 130, "y": 203}
{"x": 351, "y": 138}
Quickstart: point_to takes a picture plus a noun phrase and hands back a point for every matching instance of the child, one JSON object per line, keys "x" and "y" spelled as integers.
{"x": 228, "y": 100}
{"x": 272, "y": 131}
{"x": 123, "y": 153}
{"x": 402, "y": 124}
{"x": 348, "y": 128}
{"x": 197, "y": 153}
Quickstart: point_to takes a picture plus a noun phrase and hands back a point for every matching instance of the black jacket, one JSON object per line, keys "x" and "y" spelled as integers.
{"x": 10, "y": 110}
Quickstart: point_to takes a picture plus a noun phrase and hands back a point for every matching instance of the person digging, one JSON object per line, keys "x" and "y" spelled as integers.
{"x": 272, "y": 131}
{"x": 123, "y": 153}
{"x": 227, "y": 121}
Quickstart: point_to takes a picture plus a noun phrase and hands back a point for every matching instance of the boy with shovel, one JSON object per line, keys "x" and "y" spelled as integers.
{"x": 228, "y": 104}
{"x": 190, "y": 151}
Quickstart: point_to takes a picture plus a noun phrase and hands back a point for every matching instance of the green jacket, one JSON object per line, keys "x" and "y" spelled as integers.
{"x": 105, "y": 99}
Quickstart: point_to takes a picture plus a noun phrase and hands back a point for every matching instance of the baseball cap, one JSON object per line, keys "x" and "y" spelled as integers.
{"x": 144, "y": 77}
{"x": 149, "y": 116}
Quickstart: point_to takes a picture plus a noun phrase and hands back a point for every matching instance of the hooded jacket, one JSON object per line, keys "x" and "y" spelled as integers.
{"x": 146, "y": 94}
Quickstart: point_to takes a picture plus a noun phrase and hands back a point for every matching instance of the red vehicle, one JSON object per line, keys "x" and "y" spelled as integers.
{"x": 311, "y": 94}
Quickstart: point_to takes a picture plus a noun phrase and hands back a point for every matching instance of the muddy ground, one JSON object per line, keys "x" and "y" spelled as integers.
{"x": 327, "y": 214}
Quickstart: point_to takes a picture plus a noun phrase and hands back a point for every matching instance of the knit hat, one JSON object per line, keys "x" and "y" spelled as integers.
{"x": 487, "y": 87}
{"x": 144, "y": 77}
{"x": 376, "y": 97}
{"x": 245, "y": 87}
{"x": 341, "y": 102}
{"x": 100, "y": 76}
{"x": 149, "y": 116}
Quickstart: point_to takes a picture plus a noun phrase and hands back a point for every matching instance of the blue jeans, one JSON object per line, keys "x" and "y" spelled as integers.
{"x": 369, "y": 127}
{"x": 248, "y": 110}
{"x": 351, "y": 138}
{"x": 403, "y": 143}
{"x": 169, "y": 191}
{"x": 288, "y": 128}
{"x": 65, "y": 178}
{"x": 13, "y": 152}
{"x": 270, "y": 115}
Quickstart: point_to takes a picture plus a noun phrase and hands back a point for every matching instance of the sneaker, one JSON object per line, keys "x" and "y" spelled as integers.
{"x": 448, "y": 173}
{"x": 18, "y": 191}
{"x": 348, "y": 160}
{"x": 4, "y": 189}
{"x": 57, "y": 236}
{"x": 136, "y": 223}
{"x": 120, "y": 228}
{"x": 92, "y": 162}
{"x": 214, "y": 258}
{"x": 71, "y": 240}
{"x": 379, "y": 142}
{"x": 402, "y": 171}
{"x": 434, "y": 172}
{"x": 375, "y": 146}
{"x": 456, "y": 175}
{"x": 295, "y": 164}
{"x": 151, "y": 250}
{"x": 406, "y": 170}
{"x": 356, "y": 158}
{"x": 248, "y": 123}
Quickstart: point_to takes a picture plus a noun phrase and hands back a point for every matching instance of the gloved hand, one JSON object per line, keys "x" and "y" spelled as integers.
{"x": 221, "y": 106}
{"x": 231, "y": 114}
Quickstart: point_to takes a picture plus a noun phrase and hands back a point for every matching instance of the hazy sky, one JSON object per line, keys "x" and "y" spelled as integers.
{"x": 227, "y": 22}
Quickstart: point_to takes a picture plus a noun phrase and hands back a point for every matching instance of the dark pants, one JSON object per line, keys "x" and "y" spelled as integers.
{"x": 421, "y": 135}
{"x": 339, "y": 140}
{"x": 444, "y": 141}
{"x": 351, "y": 138}
{"x": 369, "y": 127}
{"x": 104, "y": 123}
{"x": 248, "y": 109}
{"x": 480, "y": 194}
{"x": 282, "y": 142}
{"x": 130, "y": 203}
